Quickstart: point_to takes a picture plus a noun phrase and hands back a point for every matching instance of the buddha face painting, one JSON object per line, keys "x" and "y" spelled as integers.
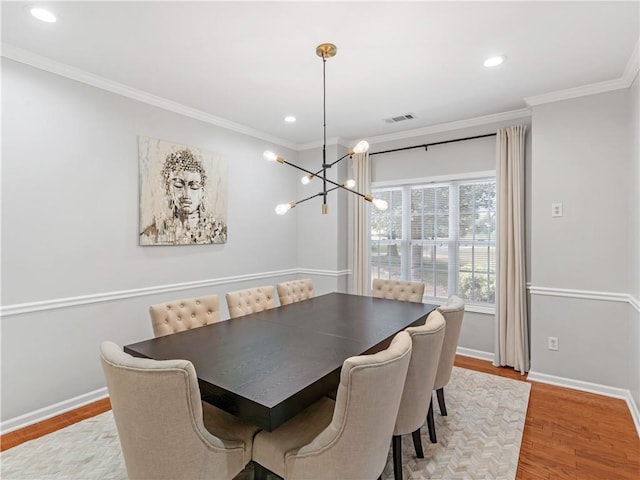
{"x": 183, "y": 195}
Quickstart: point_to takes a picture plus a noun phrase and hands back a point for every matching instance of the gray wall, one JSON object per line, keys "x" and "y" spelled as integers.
{"x": 582, "y": 157}
{"x": 634, "y": 180}
{"x": 70, "y": 229}
{"x": 634, "y": 230}
{"x": 322, "y": 239}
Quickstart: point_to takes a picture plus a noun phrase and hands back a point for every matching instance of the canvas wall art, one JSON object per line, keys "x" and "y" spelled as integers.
{"x": 183, "y": 194}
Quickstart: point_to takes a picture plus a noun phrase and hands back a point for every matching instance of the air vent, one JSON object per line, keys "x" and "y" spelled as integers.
{"x": 401, "y": 118}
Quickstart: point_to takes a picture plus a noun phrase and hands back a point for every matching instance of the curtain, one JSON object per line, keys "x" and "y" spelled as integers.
{"x": 512, "y": 329}
{"x": 361, "y": 284}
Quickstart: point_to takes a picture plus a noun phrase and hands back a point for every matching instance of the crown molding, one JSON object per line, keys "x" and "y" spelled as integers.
{"x": 344, "y": 142}
{"x": 583, "y": 91}
{"x": 58, "y": 68}
{"x": 457, "y": 125}
{"x": 625, "y": 81}
{"x": 23, "y": 56}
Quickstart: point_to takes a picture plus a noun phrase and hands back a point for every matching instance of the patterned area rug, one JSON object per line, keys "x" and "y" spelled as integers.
{"x": 479, "y": 439}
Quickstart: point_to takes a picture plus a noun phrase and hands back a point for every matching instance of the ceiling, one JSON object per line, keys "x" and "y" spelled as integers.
{"x": 252, "y": 63}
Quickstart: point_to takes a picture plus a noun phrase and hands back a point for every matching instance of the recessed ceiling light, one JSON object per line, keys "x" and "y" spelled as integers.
{"x": 494, "y": 61}
{"x": 289, "y": 119}
{"x": 42, "y": 14}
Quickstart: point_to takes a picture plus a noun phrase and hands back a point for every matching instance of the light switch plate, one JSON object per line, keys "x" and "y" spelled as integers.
{"x": 556, "y": 209}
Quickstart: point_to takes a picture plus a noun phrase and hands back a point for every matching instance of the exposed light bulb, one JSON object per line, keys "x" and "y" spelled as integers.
{"x": 306, "y": 180}
{"x": 43, "y": 15}
{"x": 380, "y": 204}
{"x": 361, "y": 147}
{"x": 270, "y": 156}
{"x": 351, "y": 183}
{"x": 494, "y": 61}
{"x": 284, "y": 207}
{"x": 273, "y": 157}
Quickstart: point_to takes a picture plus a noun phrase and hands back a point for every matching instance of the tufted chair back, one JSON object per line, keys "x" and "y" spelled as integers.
{"x": 244, "y": 302}
{"x": 398, "y": 290}
{"x": 294, "y": 291}
{"x": 348, "y": 439}
{"x": 427, "y": 345}
{"x": 453, "y": 312}
{"x": 179, "y": 315}
{"x": 165, "y": 430}
{"x": 415, "y": 406}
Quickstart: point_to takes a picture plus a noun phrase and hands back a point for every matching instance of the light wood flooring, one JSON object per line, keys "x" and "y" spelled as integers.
{"x": 568, "y": 434}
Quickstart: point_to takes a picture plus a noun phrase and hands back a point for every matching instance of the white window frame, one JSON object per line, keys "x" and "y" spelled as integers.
{"x": 405, "y": 241}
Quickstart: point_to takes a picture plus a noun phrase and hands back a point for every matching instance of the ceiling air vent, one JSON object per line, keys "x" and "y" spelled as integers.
{"x": 401, "y": 118}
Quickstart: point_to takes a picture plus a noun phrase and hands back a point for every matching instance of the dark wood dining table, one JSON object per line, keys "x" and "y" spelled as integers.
{"x": 266, "y": 367}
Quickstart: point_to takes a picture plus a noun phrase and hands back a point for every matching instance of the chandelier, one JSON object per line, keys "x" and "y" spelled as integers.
{"x": 325, "y": 50}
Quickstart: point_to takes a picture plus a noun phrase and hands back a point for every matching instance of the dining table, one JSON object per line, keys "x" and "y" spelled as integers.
{"x": 268, "y": 366}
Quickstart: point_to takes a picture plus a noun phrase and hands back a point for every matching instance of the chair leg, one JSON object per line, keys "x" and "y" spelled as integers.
{"x": 431, "y": 424}
{"x": 443, "y": 407}
{"x": 417, "y": 443}
{"x": 397, "y": 457}
{"x": 259, "y": 472}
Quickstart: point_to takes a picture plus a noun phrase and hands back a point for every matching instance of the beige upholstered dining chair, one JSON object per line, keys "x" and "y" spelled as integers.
{"x": 348, "y": 438}
{"x": 295, "y": 291}
{"x": 165, "y": 430}
{"x": 398, "y": 290}
{"x": 453, "y": 313}
{"x": 418, "y": 389}
{"x": 243, "y": 302}
{"x": 179, "y": 315}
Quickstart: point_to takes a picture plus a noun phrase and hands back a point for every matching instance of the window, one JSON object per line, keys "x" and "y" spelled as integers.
{"x": 442, "y": 234}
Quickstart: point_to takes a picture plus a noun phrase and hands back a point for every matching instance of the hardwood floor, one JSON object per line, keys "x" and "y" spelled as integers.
{"x": 568, "y": 434}
{"x": 40, "y": 429}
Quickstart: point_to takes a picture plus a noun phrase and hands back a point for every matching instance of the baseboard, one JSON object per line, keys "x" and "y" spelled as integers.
{"x": 52, "y": 410}
{"x": 479, "y": 354}
{"x": 589, "y": 387}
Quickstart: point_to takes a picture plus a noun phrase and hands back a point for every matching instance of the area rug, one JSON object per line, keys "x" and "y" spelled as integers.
{"x": 479, "y": 439}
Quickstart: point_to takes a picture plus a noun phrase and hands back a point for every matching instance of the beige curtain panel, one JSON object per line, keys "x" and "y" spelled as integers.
{"x": 360, "y": 265}
{"x": 512, "y": 328}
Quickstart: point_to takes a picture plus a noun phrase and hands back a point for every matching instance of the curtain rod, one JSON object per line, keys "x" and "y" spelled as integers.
{"x": 427, "y": 145}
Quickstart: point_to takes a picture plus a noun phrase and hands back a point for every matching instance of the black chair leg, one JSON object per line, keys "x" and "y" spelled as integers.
{"x": 397, "y": 457}
{"x": 259, "y": 472}
{"x": 443, "y": 407}
{"x": 417, "y": 443}
{"x": 431, "y": 424}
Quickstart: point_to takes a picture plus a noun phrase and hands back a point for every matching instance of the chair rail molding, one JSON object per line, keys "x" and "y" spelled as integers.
{"x": 585, "y": 294}
{"x": 323, "y": 273}
{"x": 23, "y": 308}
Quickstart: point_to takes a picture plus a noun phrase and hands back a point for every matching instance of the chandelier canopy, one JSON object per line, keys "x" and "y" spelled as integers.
{"x": 325, "y": 51}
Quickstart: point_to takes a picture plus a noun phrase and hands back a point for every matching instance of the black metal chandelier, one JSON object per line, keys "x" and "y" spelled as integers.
{"x": 325, "y": 50}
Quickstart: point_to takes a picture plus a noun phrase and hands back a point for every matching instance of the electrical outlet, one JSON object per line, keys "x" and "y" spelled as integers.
{"x": 553, "y": 343}
{"x": 556, "y": 209}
